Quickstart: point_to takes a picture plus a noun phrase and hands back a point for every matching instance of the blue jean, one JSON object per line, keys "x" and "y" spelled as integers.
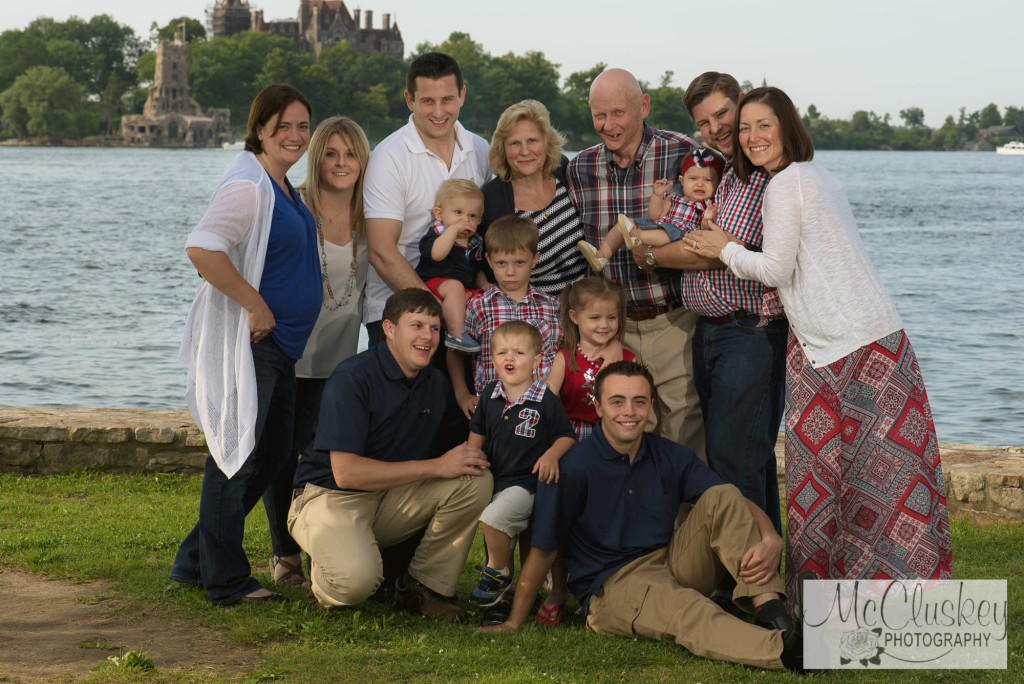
{"x": 278, "y": 497}
{"x": 740, "y": 373}
{"x": 674, "y": 232}
{"x": 211, "y": 555}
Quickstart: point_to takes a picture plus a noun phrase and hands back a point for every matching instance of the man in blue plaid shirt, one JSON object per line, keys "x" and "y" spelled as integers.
{"x": 615, "y": 178}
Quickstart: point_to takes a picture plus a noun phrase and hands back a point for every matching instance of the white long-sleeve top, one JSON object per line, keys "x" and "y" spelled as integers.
{"x": 221, "y": 390}
{"x": 813, "y": 254}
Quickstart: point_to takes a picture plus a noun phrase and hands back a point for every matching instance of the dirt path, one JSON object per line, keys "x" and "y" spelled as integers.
{"x": 44, "y": 624}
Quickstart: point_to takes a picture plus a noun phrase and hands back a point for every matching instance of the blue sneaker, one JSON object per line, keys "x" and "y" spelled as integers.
{"x": 463, "y": 344}
{"x": 492, "y": 584}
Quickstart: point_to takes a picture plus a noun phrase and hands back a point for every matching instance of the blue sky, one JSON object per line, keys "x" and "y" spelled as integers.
{"x": 880, "y": 55}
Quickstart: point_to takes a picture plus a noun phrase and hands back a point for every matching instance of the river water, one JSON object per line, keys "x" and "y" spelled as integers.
{"x": 95, "y": 284}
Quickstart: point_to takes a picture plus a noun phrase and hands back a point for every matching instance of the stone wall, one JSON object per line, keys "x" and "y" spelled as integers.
{"x": 981, "y": 482}
{"x": 49, "y": 441}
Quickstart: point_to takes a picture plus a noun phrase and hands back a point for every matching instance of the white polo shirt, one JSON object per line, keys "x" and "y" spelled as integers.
{"x": 402, "y": 178}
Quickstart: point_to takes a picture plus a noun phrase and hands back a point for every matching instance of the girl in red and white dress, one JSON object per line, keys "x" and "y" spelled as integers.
{"x": 592, "y": 313}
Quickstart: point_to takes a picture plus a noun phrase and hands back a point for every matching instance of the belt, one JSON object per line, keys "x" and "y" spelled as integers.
{"x": 646, "y": 313}
{"x": 732, "y": 316}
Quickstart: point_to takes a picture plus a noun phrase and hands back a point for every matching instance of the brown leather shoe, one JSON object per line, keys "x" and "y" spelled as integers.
{"x": 419, "y": 599}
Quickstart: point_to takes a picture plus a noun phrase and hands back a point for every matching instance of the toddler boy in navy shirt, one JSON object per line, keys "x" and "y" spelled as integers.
{"x": 451, "y": 255}
{"x": 523, "y": 430}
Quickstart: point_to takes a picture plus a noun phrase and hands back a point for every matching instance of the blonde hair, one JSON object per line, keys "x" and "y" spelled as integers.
{"x": 519, "y": 329}
{"x": 537, "y": 114}
{"x": 355, "y": 139}
{"x": 576, "y": 297}
{"x": 456, "y": 187}
{"x": 511, "y": 233}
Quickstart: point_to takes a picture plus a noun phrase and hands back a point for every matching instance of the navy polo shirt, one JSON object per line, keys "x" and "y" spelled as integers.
{"x": 291, "y": 284}
{"x": 516, "y": 435}
{"x": 462, "y": 263}
{"x": 369, "y": 408}
{"x": 605, "y": 512}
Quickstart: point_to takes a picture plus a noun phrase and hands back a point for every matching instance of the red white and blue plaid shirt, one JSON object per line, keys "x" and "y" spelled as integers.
{"x": 684, "y": 214}
{"x": 717, "y": 292}
{"x": 601, "y": 190}
{"x": 490, "y": 309}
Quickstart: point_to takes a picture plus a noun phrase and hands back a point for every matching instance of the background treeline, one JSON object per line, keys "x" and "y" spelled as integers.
{"x": 76, "y": 79}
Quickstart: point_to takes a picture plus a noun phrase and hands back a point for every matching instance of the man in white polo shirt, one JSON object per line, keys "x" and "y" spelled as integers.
{"x": 404, "y": 173}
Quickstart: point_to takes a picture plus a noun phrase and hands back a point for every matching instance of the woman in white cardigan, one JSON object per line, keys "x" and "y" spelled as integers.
{"x": 864, "y": 487}
{"x": 255, "y": 248}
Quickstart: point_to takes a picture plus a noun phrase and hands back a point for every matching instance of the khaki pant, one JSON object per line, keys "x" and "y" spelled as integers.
{"x": 343, "y": 533}
{"x": 664, "y": 595}
{"x": 665, "y": 345}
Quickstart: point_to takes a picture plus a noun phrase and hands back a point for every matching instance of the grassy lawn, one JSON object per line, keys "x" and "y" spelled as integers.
{"x": 125, "y": 529}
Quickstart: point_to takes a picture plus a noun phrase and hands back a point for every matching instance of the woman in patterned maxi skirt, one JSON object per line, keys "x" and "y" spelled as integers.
{"x": 864, "y": 488}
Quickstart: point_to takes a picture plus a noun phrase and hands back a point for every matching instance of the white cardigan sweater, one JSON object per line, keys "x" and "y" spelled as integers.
{"x": 221, "y": 391}
{"x": 813, "y": 254}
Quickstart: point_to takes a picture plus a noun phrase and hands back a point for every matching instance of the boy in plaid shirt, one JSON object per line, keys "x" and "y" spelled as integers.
{"x": 511, "y": 252}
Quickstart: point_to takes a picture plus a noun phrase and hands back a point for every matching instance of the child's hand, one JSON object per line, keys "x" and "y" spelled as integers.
{"x": 661, "y": 187}
{"x": 710, "y": 214}
{"x": 546, "y": 468}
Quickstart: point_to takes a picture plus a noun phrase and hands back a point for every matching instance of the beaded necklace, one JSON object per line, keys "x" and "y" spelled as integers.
{"x": 330, "y": 301}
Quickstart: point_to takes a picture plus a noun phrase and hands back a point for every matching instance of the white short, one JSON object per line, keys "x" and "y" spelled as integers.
{"x": 509, "y": 511}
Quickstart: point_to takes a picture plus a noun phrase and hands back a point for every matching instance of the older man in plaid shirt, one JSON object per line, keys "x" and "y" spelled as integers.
{"x": 615, "y": 178}
{"x": 740, "y": 341}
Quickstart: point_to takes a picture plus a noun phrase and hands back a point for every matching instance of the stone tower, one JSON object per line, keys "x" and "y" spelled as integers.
{"x": 228, "y": 17}
{"x": 170, "y": 117}
{"x": 170, "y": 92}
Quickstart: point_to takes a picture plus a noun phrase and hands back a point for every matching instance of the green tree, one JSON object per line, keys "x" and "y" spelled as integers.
{"x": 912, "y": 116}
{"x": 667, "y": 108}
{"x": 990, "y": 116}
{"x": 1014, "y": 116}
{"x": 145, "y": 68}
{"x": 574, "y": 112}
{"x": 948, "y": 136}
{"x": 20, "y": 50}
{"x": 225, "y": 72}
{"x": 509, "y": 79}
{"x": 194, "y": 30}
{"x": 45, "y": 101}
{"x": 812, "y": 113}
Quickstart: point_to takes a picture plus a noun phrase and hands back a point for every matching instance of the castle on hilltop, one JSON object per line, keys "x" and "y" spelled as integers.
{"x": 171, "y": 118}
{"x": 320, "y": 24}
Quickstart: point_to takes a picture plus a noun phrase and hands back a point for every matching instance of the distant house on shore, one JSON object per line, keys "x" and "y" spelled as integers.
{"x": 171, "y": 118}
{"x": 1008, "y": 132}
{"x": 320, "y": 24}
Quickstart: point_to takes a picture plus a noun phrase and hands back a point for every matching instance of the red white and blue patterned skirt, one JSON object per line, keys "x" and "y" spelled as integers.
{"x": 864, "y": 491}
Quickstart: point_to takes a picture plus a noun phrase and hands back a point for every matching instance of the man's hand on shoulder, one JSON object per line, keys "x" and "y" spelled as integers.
{"x": 464, "y": 462}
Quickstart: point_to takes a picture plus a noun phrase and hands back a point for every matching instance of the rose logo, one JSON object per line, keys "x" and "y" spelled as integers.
{"x": 861, "y": 646}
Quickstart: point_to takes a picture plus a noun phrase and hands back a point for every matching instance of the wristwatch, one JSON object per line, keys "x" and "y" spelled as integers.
{"x": 649, "y": 257}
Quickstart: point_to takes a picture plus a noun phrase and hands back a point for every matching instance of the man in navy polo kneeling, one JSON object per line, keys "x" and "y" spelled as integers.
{"x": 612, "y": 512}
{"x": 374, "y": 478}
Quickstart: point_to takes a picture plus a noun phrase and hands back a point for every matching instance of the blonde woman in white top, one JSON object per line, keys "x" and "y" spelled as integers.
{"x": 864, "y": 485}
{"x": 333, "y": 191}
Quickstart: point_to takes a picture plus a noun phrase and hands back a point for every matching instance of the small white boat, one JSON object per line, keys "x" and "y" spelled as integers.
{"x": 1013, "y": 147}
{"x": 230, "y": 146}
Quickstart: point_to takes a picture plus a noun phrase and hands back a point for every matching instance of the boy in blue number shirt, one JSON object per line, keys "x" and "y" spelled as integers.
{"x": 523, "y": 430}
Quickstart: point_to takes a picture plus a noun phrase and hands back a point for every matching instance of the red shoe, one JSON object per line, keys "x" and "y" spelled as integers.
{"x": 551, "y": 616}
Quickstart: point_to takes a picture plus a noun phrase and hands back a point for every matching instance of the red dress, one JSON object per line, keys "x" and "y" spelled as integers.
{"x": 578, "y": 391}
